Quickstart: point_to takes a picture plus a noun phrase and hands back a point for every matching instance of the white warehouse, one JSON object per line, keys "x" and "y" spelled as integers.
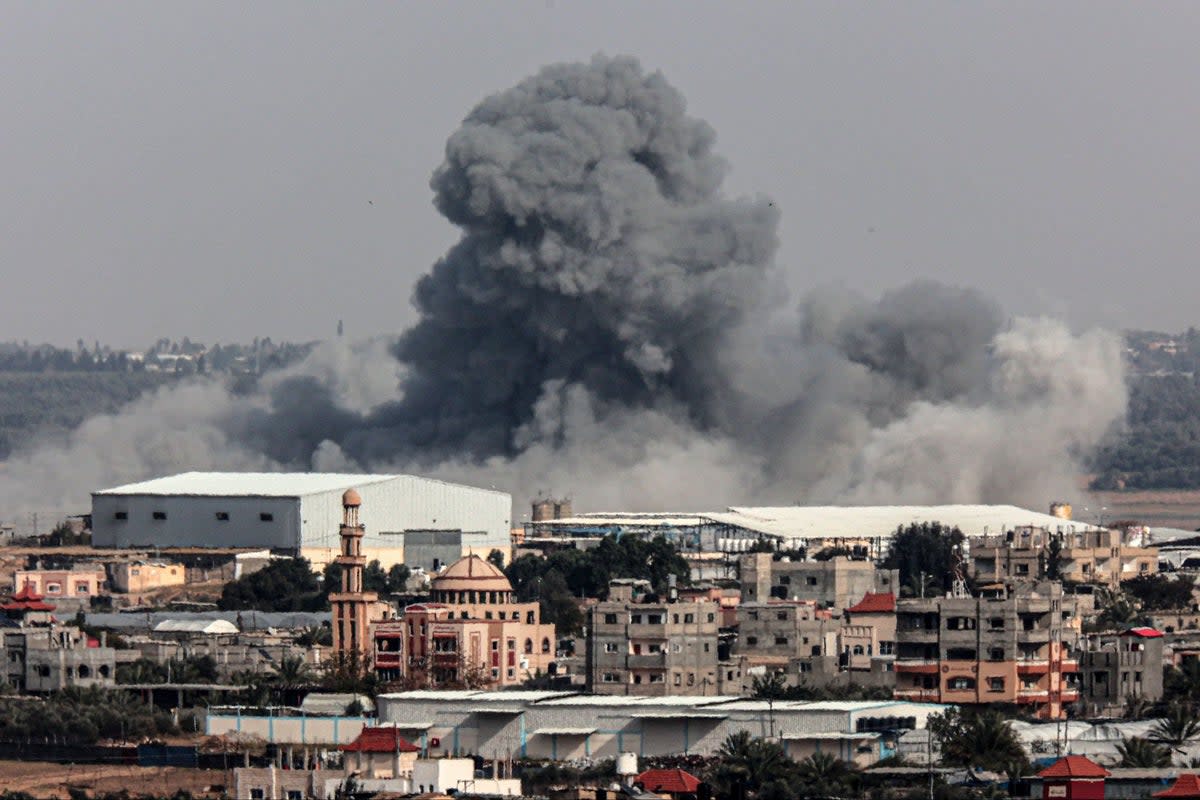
{"x": 297, "y": 513}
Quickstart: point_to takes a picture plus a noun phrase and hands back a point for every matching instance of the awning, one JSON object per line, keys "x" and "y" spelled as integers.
{"x": 504, "y": 710}
{"x": 680, "y": 714}
{"x": 422, "y": 725}
{"x": 564, "y": 731}
{"x": 827, "y": 735}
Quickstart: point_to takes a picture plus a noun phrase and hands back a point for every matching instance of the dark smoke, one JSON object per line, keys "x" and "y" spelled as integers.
{"x": 609, "y": 323}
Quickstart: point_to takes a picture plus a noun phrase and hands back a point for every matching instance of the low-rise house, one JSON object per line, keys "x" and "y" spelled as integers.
{"x": 380, "y": 753}
{"x": 37, "y": 654}
{"x": 80, "y": 581}
{"x": 137, "y": 577}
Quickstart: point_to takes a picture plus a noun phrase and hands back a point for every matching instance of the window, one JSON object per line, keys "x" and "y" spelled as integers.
{"x": 610, "y": 619}
{"x": 751, "y": 640}
{"x": 223, "y": 516}
{"x": 676, "y": 647}
{"x": 678, "y": 679}
{"x": 996, "y": 654}
{"x": 960, "y": 683}
{"x": 258, "y": 794}
{"x": 805, "y": 667}
{"x": 688, "y": 619}
{"x": 295, "y": 794}
{"x": 781, "y": 640}
{"x": 781, "y": 615}
{"x": 53, "y": 588}
{"x": 753, "y": 615}
{"x": 265, "y": 517}
{"x": 706, "y": 647}
{"x": 546, "y": 645}
{"x": 995, "y": 684}
{"x": 160, "y": 515}
{"x": 528, "y": 646}
{"x": 858, "y": 650}
{"x": 887, "y": 648}
{"x": 658, "y": 678}
{"x": 812, "y": 581}
{"x": 1022, "y": 569}
{"x": 654, "y": 619}
{"x": 996, "y": 623}
{"x": 495, "y": 645}
{"x": 960, "y": 624}
{"x": 121, "y": 515}
{"x": 609, "y": 647}
{"x": 85, "y": 671}
{"x": 691, "y": 681}
{"x": 637, "y": 619}
{"x": 785, "y": 580}
{"x": 637, "y": 678}
{"x": 712, "y": 617}
{"x": 609, "y": 677}
{"x": 511, "y": 672}
{"x": 82, "y": 588}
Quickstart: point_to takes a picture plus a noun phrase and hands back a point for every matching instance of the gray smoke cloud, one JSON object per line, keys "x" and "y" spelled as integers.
{"x": 611, "y": 325}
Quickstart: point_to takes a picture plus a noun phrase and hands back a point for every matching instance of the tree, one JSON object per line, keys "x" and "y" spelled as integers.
{"x": 397, "y": 578}
{"x": 745, "y": 761}
{"x": 927, "y": 549}
{"x": 496, "y": 559}
{"x": 1177, "y": 727}
{"x": 286, "y": 584}
{"x": 1160, "y": 592}
{"x": 1143, "y": 753}
{"x": 970, "y": 738}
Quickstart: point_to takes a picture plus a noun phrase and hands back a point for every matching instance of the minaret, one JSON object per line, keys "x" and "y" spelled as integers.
{"x": 351, "y": 604}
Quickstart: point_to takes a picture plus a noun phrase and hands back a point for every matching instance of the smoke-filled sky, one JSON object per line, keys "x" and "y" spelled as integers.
{"x": 611, "y": 323}
{"x": 226, "y": 170}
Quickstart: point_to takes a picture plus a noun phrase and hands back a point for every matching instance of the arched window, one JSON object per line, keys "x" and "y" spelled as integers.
{"x": 545, "y": 644}
{"x": 85, "y": 671}
{"x": 858, "y": 650}
{"x": 529, "y": 645}
{"x": 104, "y": 670}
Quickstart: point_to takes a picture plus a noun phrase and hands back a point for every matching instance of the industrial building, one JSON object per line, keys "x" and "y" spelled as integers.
{"x": 299, "y": 513}
{"x": 863, "y": 530}
{"x": 564, "y": 726}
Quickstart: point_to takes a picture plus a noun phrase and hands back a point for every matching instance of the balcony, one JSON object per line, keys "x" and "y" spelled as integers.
{"x": 918, "y": 695}
{"x": 1033, "y": 666}
{"x": 647, "y": 661}
{"x": 1033, "y": 695}
{"x": 923, "y": 666}
{"x": 383, "y": 660}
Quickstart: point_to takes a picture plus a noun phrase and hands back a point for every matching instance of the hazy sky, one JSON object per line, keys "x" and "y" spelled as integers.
{"x": 227, "y": 170}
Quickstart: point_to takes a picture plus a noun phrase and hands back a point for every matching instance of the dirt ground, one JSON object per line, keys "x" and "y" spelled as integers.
{"x": 49, "y": 780}
{"x": 1168, "y": 509}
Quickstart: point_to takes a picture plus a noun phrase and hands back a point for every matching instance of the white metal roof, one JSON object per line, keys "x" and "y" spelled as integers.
{"x": 248, "y": 484}
{"x": 844, "y": 522}
{"x": 209, "y": 626}
{"x": 564, "y": 731}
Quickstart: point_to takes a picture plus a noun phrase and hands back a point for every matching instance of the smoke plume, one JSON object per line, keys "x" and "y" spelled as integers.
{"x": 609, "y": 324}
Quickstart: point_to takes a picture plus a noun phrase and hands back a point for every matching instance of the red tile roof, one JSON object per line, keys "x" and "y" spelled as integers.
{"x": 1186, "y": 785}
{"x": 1074, "y": 767}
{"x": 872, "y": 603}
{"x": 668, "y": 781}
{"x": 381, "y": 740}
{"x": 1145, "y": 633}
{"x": 27, "y": 600}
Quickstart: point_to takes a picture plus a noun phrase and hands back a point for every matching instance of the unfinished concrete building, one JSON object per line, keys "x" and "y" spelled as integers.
{"x": 1004, "y": 646}
{"x": 640, "y": 644}
{"x": 839, "y": 582}
{"x": 1114, "y": 669}
{"x": 1078, "y": 555}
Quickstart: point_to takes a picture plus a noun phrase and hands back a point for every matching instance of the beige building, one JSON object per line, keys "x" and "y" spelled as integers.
{"x": 81, "y": 581}
{"x": 1104, "y": 557}
{"x": 137, "y": 577}
{"x": 839, "y": 582}
{"x": 473, "y": 633}
{"x": 638, "y": 644}
{"x": 869, "y": 631}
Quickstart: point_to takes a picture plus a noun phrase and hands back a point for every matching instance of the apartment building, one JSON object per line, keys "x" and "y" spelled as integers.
{"x": 869, "y": 632}
{"x": 641, "y": 644}
{"x": 473, "y": 633}
{"x": 839, "y": 582}
{"x": 1004, "y": 646}
{"x": 1114, "y": 668}
{"x": 1104, "y": 557}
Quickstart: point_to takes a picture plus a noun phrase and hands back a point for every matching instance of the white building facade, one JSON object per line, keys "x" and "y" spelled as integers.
{"x": 297, "y": 513}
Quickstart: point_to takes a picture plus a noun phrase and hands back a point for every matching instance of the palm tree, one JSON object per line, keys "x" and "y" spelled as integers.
{"x": 743, "y": 759}
{"x": 1136, "y": 707}
{"x": 1140, "y": 752}
{"x": 827, "y": 772}
{"x": 292, "y": 673}
{"x": 1177, "y": 727}
{"x": 977, "y": 739}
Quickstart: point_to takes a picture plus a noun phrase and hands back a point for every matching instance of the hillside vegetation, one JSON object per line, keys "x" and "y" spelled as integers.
{"x": 1161, "y": 447}
{"x": 36, "y": 403}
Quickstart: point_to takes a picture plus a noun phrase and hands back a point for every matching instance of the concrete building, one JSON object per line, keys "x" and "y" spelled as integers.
{"x": 1114, "y": 668}
{"x": 37, "y": 654}
{"x": 638, "y": 644}
{"x": 1005, "y": 646}
{"x": 836, "y": 583}
{"x": 1099, "y": 556}
{"x": 474, "y": 632}
{"x": 297, "y": 513}
{"x": 379, "y": 753}
{"x": 563, "y": 726}
{"x": 137, "y": 577}
{"x": 81, "y": 581}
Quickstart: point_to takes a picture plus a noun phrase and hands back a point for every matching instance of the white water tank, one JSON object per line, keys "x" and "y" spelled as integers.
{"x": 627, "y": 765}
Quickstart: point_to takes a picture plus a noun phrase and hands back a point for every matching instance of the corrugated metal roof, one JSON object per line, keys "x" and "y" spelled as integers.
{"x": 262, "y": 484}
{"x": 209, "y": 626}
{"x": 248, "y": 484}
{"x": 844, "y": 522}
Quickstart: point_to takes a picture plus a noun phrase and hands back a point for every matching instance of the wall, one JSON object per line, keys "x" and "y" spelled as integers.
{"x": 192, "y": 521}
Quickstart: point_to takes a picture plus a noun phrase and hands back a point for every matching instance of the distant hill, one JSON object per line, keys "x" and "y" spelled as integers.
{"x": 32, "y": 403}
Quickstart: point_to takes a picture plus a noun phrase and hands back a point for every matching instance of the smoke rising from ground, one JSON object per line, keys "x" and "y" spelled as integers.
{"x": 610, "y": 325}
